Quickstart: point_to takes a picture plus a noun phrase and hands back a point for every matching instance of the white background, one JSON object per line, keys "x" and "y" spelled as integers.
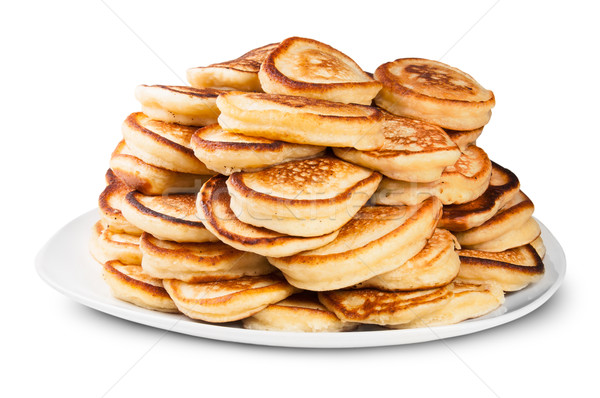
{"x": 68, "y": 74}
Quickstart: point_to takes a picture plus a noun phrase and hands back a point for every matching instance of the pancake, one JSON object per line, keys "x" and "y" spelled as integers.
{"x": 513, "y": 269}
{"x": 106, "y": 245}
{"x": 464, "y": 138}
{"x": 469, "y": 300}
{"x": 198, "y": 262}
{"x": 226, "y": 301}
{"x": 110, "y": 202}
{"x": 540, "y": 248}
{"x": 301, "y": 312}
{"x": 310, "y": 197}
{"x": 170, "y": 217}
{"x": 384, "y": 308}
{"x": 301, "y": 120}
{"x": 503, "y": 186}
{"x": 217, "y": 216}
{"x": 309, "y": 68}
{"x": 179, "y": 104}
{"x": 149, "y": 179}
{"x": 436, "y": 265}
{"x": 434, "y": 92}
{"x": 511, "y": 216}
{"x": 375, "y": 241}
{"x": 165, "y": 145}
{"x": 522, "y": 235}
{"x": 462, "y": 182}
{"x": 238, "y": 74}
{"x": 226, "y": 152}
{"x": 412, "y": 151}
{"x": 130, "y": 283}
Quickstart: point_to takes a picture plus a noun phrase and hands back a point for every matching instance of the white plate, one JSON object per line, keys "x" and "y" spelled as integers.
{"x": 65, "y": 264}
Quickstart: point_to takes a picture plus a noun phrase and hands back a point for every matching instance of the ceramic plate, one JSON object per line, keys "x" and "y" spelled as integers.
{"x": 65, "y": 263}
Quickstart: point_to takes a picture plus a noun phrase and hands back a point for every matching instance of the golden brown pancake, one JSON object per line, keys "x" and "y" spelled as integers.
{"x": 472, "y": 171}
{"x": 375, "y": 241}
{"x": 165, "y": 145}
{"x": 309, "y": 68}
{"x": 464, "y": 138}
{"x": 301, "y": 312}
{"x": 198, "y": 262}
{"x": 130, "y": 283}
{"x": 110, "y": 202}
{"x": 434, "y": 92}
{"x": 226, "y": 152}
{"x": 462, "y": 182}
{"x": 503, "y": 186}
{"x": 412, "y": 151}
{"x": 522, "y": 235}
{"x": 238, "y": 74}
{"x": 513, "y": 269}
{"x": 179, "y": 104}
{"x": 436, "y": 265}
{"x": 469, "y": 300}
{"x": 301, "y": 120}
{"x": 149, "y": 179}
{"x": 171, "y": 217}
{"x": 106, "y": 245}
{"x": 384, "y": 308}
{"x": 309, "y": 197}
{"x": 216, "y": 214}
{"x": 226, "y": 301}
{"x": 511, "y": 216}
{"x": 540, "y": 248}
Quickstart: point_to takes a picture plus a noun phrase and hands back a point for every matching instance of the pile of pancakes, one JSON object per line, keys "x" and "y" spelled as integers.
{"x": 293, "y": 191}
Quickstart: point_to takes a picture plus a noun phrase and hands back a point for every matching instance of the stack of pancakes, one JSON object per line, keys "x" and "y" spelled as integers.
{"x": 292, "y": 190}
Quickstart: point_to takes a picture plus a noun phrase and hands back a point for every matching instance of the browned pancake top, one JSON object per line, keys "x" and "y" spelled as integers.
{"x": 173, "y": 135}
{"x": 473, "y": 162}
{"x": 433, "y": 79}
{"x": 214, "y": 138}
{"x": 309, "y": 179}
{"x": 501, "y": 182}
{"x": 214, "y": 203}
{"x": 263, "y": 101}
{"x": 298, "y": 59}
{"x": 215, "y": 251}
{"x": 249, "y": 62}
{"x": 218, "y": 293}
{"x": 135, "y": 276}
{"x": 361, "y": 304}
{"x": 404, "y": 135}
{"x": 522, "y": 255}
{"x": 191, "y": 91}
{"x": 175, "y": 208}
{"x": 523, "y": 259}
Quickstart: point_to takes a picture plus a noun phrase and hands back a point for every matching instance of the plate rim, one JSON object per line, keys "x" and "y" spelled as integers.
{"x": 351, "y": 339}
